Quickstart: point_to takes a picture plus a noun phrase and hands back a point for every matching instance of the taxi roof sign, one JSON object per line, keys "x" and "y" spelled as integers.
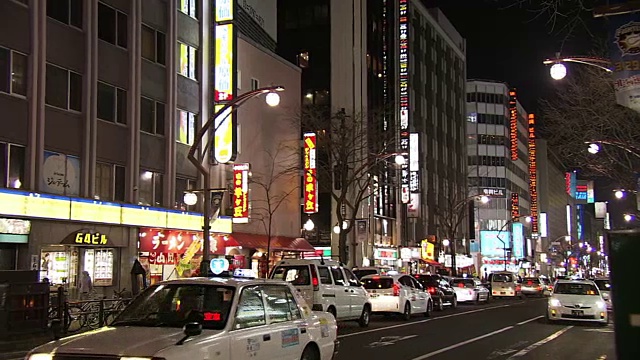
{"x": 244, "y": 273}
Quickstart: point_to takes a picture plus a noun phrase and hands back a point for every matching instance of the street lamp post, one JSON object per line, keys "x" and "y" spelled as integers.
{"x": 455, "y": 211}
{"x": 272, "y": 99}
{"x": 558, "y": 70}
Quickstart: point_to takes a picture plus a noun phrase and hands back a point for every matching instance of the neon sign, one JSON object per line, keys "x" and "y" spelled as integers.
{"x": 403, "y": 77}
{"x": 533, "y": 174}
{"x": 513, "y": 125}
{"x": 310, "y": 180}
{"x": 240, "y": 193}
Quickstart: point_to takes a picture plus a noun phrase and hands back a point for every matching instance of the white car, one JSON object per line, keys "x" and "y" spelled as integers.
{"x": 469, "y": 290}
{"x": 604, "y": 285}
{"x": 400, "y": 294}
{"x": 577, "y": 300}
{"x": 328, "y": 286}
{"x": 200, "y": 318}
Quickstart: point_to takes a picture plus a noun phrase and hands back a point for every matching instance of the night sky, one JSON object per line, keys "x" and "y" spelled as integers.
{"x": 509, "y": 44}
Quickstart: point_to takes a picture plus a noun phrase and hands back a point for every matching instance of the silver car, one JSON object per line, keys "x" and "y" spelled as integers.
{"x": 604, "y": 285}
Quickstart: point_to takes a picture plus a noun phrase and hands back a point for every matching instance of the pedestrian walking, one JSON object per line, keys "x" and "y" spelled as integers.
{"x": 86, "y": 286}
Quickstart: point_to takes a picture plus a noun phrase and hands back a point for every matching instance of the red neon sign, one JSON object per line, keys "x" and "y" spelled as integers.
{"x": 241, "y": 193}
{"x": 310, "y": 181}
{"x": 513, "y": 125}
{"x": 533, "y": 174}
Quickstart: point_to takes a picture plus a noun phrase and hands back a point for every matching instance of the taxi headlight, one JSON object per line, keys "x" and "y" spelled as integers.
{"x": 601, "y": 304}
{"x": 40, "y": 357}
{"x": 554, "y": 302}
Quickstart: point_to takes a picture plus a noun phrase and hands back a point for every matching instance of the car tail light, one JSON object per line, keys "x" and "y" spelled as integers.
{"x": 396, "y": 290}
{"x": 529, "y": 282}
{"x": 518, "y": 288}
{"x": 431, "y": 290}
{"x": 314, "y": 278}
{"x": 540, "y": 288}
{"x": 460, "y": 285}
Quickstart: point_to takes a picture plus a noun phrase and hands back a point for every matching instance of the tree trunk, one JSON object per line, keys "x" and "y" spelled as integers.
{"x": 342, "y": 246}
{"x": 454, "y": 269}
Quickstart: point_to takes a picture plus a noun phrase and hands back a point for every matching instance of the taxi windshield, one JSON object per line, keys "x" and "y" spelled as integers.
{"x": 576, "y": 289}
{"x": 174, "y": 305}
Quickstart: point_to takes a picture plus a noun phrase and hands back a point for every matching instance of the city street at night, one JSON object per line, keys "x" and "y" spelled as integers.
{"x": 500, "y": 330}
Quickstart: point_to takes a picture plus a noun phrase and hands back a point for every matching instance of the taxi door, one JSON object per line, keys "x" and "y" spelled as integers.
{"x": 250, "y": 336}
{"x": 288, "y": 328}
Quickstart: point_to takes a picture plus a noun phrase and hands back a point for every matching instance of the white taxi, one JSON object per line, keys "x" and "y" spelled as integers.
{"x": 577, "y": 300}
{"x": 201, "y": 318}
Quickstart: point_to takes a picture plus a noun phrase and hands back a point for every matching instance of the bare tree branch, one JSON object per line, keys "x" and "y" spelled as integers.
{"x": 585, "y": 111}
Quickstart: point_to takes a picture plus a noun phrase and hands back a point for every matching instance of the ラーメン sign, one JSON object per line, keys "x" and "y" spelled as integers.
{"x": 310, "y": 181}
{"x": 241, "y": 193}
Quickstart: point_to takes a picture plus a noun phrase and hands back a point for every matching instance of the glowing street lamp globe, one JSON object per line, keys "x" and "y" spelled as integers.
{"x": 309, "y": 225}
{"x": 400, "y": 160}
{"x": 558, "y": 71}
{"x": 593, "y": 148}
{"x": 445, "y": 242}
{"x": 272, "y": 99}
{"x": 190, "y": 198}
{"x": 619, "y": 194}
{"x": 484, "y": 199}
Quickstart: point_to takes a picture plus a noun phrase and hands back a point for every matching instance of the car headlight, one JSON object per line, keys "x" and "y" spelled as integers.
{"x": 554, "y": 302}
{"x": 601, "y": 304}
{"x": 40, "y": 357}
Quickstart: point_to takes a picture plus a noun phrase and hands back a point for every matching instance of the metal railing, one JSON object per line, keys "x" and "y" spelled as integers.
{"x": 84, "y": 315}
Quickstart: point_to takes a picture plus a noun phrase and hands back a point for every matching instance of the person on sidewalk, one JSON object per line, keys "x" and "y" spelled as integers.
{"x": 86, "y": 286}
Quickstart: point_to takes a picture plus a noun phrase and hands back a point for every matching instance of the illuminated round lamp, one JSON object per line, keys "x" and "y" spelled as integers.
{"x": 628, "y": 217}
{"x": 593, "y": 148}
{"x": 400, "y": 160}
{"x": 190, "y": 198}
{"x": 527, "y": 219}
{"x": 484, "y": 199}
{"x": 272, "y": 99}
{"x": 336, "y": 229}
{"x": 345, "y": 225}
{"x": 445, "y": 242}
{"x": 558, "y": 71}
{"x": 619, "y": 194}
{"x": 309, "y": 225}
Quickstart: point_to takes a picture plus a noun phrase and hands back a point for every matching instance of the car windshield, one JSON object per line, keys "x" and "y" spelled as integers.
{"x": 174, "y": 305}
{"x": 427, "y": 280}
{"x": 377, "y": 283}
{"x": 364, "y": 272}
{"x": 575, "y": 289}
{"x": 296, "y": 275}
{"x": 461, "y": 283}
{"x": 603, "y": 284}
{"x": 502, "y": 278}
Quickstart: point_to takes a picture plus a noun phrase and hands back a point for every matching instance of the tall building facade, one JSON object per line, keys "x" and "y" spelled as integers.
{"x": 102, "y": 101}
{"x": 499, "y": 157}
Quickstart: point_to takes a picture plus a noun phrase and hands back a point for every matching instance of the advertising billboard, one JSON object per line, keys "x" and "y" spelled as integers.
{"x": 223, "y": 86}
{"x": 518, "y": 241}
{"x": 513, "y": 124}
{"x": 533, "y": 175}
{"x": 224, "y": 138}
{"x": 624, "y": 56}
{"x": 403, "y": 78}
{"x": 490, "y": 244}
{"x": 240, "y": 193}
{"x": 310, "y": 180}
{"x": 414, "y": 162}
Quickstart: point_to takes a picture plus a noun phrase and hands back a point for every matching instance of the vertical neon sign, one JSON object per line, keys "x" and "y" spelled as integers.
{"x": 310, "y": 180}
{"x": 513, "y": 124}
{"x": 533, "y": 174}
{"x": 403, "y": 76}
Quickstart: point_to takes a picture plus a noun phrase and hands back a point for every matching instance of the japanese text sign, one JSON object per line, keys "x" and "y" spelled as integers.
{"x": 240, "y": 193}
{"x": 310, "y": 182}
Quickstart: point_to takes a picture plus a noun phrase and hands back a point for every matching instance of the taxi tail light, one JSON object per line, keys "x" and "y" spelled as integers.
{"x": 314, "y": 279}
{"x": 460, "y": 285}
{"x": 518, "y": 288}
{"x": 540, "y": 288}
{"x": 431, "y": 290}
{"x": 396, "y": 290}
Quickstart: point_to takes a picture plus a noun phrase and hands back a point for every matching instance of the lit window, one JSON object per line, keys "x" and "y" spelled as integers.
{"x": 189, "y": 7}
{"x": 186, "y": 127}
{"x": 188, "y": 58}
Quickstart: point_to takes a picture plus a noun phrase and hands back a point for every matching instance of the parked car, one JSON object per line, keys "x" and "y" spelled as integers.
{"x": 577, "y": 300}
{"x": 440, "y": 290}
{"x": 533, "y": 286}
{"x": 398, "y": 294}
{"x": 327, "y": 285}
{"x": 194, "y": 317}
{"x": 470, "y": 290}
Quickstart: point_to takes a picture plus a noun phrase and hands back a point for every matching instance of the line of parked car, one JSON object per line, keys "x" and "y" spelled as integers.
{"x": 329, "y": 286}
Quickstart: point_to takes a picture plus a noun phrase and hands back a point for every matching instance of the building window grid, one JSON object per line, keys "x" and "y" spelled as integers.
{"x": 186, "y": 127}
{"x": 182, "y": 186}
{"x": 112, "y": 30}
{"x": 152, "y": 116}
{"x": 188, "y": 61}
{"x": 189, "y": 7}
{"x": 150, "y": 188}
{"x": 68, "y": 12}
{"x": 72, "y": 87}
{"x": 109, "y": 182}
{"x": 116, "y": 112}
{"x": 13, "y": 64}
{"x": 12, "y": 165}
{"x": 153, "y": 45}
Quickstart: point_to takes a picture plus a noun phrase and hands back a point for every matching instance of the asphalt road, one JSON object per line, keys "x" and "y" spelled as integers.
{"x": 504, "y": 329}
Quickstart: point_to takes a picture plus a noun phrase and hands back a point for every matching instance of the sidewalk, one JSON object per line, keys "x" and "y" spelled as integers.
{"x": 17, "y": 346}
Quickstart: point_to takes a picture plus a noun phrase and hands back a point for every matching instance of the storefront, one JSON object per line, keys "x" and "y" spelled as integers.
{"x": 14, "y": 233}
{"x": 385, "y": 257}
{"x": 410, "y": 257}
{"x": 63, "y": 251}
{"x": 170, "y": 254}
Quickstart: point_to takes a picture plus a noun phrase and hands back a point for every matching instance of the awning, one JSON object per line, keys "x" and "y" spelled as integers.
{"x": 431, "y": 262}
{"x": 282, "y": 243}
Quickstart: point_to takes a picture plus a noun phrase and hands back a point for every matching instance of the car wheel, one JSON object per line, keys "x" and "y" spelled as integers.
{"x": 331, "y": 310}
{"x": 429, "y": 309}
{"x": 365, "y": 317}
{"x": 310, "y": 353}
{"x": 407, "y": 312}
{"x": 454, "y": 302}
{"x": 440, "y": 304}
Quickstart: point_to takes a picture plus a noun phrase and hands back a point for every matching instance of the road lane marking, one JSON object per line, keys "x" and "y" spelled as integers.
{"x": 421, "y": 321}
{"x": 390, "y": 340}
{"x": 440, "y": 351}
{"x": 530, "y": 320}
{"x": 531, "y": 347}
